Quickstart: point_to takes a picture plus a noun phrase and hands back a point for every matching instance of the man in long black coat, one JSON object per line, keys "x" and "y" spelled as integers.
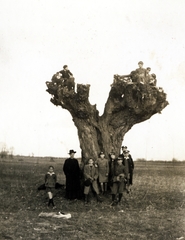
{"x": 72, "y": 172}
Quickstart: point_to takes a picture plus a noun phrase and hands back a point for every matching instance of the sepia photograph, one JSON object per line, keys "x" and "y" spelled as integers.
{"x": 92, "y": 126}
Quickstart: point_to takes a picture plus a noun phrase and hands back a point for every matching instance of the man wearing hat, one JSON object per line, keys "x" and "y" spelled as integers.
{"x": 72, "y": 172}
{"x": 119, "y": 174}
{"x": 68, "y": 78}
{"x": 129, "y": 166}
{"x": 124, "y": 148}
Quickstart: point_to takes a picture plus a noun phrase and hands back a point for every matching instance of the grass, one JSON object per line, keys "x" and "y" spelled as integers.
{"x": 154, "y": 210}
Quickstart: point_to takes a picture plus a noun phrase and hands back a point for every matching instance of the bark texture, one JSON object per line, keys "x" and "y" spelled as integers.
{"x": 127, "y": 104}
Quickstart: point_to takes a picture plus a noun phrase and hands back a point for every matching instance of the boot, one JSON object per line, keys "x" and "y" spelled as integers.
{"x": 120, "y": 197}
{"x": 113, "y": 197}
{"x": 86, "y": 198}
{"x": 98, "y": 198}
{"x": 49, "y": 202}
{"x": 52, "y": 202}
{"x": 102, "y": 188}
{"x": 114, "y": 202}
{"x": 105, "y": 187}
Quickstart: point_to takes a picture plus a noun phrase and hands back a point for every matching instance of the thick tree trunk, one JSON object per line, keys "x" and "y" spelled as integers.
{"x": 127, "y": 104}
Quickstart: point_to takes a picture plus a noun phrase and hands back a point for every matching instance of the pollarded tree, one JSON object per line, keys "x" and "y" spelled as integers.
{"x": 128, "y": 103}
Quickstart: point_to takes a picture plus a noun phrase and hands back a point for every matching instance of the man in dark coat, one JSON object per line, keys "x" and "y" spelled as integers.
{"x": 65, "y": 72}
{"x": 72, "y": 172}
{"x": 68, "y": 78}
{"x": 129, "y": 166}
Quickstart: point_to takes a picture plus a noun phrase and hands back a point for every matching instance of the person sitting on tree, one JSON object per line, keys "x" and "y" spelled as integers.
{"x": 141, "y": 71}
{"x": 90, "y": 180}
{"x": 150, "y": 78}
{"x": 68, "y": 78}
{"x": 136, "y": 76}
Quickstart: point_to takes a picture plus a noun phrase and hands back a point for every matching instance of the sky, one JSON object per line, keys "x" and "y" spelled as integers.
{"x": 96, "y": 39}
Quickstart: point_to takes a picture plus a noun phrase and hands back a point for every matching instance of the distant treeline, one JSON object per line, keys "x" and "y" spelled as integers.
{"x": 50, "y": 159}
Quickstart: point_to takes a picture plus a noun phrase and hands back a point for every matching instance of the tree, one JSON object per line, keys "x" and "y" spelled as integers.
{"x": 11, "y": 152}
{"x": 128, "y": 103}
{"x": 4, "y": 151}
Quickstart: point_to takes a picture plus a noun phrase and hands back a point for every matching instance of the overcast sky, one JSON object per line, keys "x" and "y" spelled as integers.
{"x": 96, "y": 39}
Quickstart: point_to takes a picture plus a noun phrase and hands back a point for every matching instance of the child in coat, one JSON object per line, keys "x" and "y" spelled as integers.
{"x": 90, "y": 180}
{"x": 50, "y": 181}
{"x": 103, "y": 169}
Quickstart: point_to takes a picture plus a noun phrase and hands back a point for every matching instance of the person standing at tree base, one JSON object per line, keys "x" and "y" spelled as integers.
{"x": 72, "y": 172}
{"x": 129, "y": 166}
{"x": 90, "y": 177}
{"x": 118, "y": 181}
{"x": 103, "y": 170}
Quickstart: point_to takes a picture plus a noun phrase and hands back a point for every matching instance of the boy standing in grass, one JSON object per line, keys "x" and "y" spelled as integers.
{"x": 50, "y": 181}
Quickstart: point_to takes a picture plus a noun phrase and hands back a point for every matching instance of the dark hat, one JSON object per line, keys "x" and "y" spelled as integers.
{"x": 101, "y": 153}
{"x": 71, "y": 151}
{"x": 112, "y": 153}
{"x": 90, "y": 159}
{"x": 120, "y": 157}
{"x": 124, "y": 147}
{"x": 87, "y": 182}
{"x": 64, "y": 66}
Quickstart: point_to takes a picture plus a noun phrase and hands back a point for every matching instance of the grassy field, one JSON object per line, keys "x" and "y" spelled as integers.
{"x": 154, "y": 210}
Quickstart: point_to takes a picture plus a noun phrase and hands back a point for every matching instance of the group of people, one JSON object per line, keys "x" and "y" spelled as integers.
{"x": 99, "y": 175}
{"x": 140, "y": 75}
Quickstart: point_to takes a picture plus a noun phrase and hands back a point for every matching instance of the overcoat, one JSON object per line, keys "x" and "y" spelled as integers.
{"x": 72, "y": 172}
{"x": 91, "y": 173}
{"x": 103, "y": 169}
{"x": 50, "y": 181}
{"x": 129, "y": 166}
{"x": 66, "y": 74}
{"x": 118, "y": 182}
